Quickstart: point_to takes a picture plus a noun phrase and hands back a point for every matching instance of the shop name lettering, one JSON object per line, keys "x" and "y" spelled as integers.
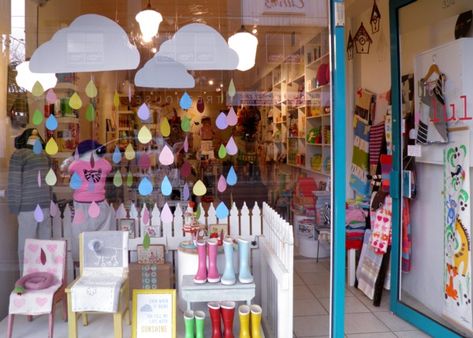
{"x": 462, "y": 115}
{"x": 283, "y": 4}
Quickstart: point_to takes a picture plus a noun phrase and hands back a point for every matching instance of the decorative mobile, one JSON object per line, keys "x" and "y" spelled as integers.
{"x": 94, "y": 210}
{"x": 53, "y": 209}
{"x": 37, "y": 89}
{"x": 39, "y": 178}
{"x": 145, "y": 187}
{"x": 37, "y": 147}
{"x": 51, "y": 96}
{"x": 186, "y": 124}
{"x": 231, "y": 147}
{"x": 117, "y": 179}
{"x": 200, "y": 105}
{"x": 50, "y": 178}
{"x": 231, "y": 89}
{"x": 129, "y": 179}
{"x": 51, "y": 147}
{"x": 51, "y": 122}
{"x": 231, "y": 177}
{"x": 129, "y": 152}
{"x": 117, "y": 155}
{"x": 116, "y": 100}
{"x": 144, "y": 135}
{"x": 186, "y": 101}
{"x": 75, "y": 101}
{"x": 166, "y": 214}
{"x": 165, "y": 127}
{"x": 221, "y": 211}
{"x": 166, "y": 157}
{"x": 143, "y": 112}
{"x": 350, "y": 47}
{"x": 362, "y": 40}
{"x": 222, "y": 184}
{"x": 144, "y": 162}
{"x": 166, "y": 187}
{"x": 37, "y": 117}
{"x": 222, "y": 152}
{"x": 90, "y": 113}
{"x": 186, "y": 191}
{"x": 186, "y": 169}
{"x": 221, "y": 121}
{"x": 91, "y": 90}
{"x": 232, "y": 118}
{"x": 199, "y": 188}
{"x": 375, "y": 18}
{"x": 38, "y": 214}
{"x": 186, "y": 144}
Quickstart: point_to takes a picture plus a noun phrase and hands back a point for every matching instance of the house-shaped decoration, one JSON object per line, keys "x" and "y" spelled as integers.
{"x": 350, "y": 47}
{"x": 375, "y": 18}
{"x": 362, "y": 40}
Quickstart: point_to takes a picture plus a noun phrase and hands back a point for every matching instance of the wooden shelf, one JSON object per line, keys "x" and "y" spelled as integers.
{"x": 317, "y": 61}
{"x": 313, "y": 90}
{"x": 67, "y": 119}
{"x": 299, "y": 78}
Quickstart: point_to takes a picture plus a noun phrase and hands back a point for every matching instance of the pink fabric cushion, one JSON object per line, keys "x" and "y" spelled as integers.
{"x": 36, "y": 281}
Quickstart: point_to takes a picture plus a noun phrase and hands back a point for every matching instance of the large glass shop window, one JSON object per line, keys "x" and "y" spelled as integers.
{"x": 175, "y": 123}
{"x": 437, "y": 143}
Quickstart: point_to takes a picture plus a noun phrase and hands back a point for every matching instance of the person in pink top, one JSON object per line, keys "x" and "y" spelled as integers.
{"x": 91, "y": 210}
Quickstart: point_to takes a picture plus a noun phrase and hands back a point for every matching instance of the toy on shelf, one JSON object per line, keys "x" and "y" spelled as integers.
{"x": 192, "y": 227}
{"x": 314, "y": 136}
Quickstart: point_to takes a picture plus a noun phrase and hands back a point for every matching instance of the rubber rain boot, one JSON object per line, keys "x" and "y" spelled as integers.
{"x": 189, "y": 323}
{"x": 244, "y": 313}
{"x": 256, "y": 321}
{"x": 201, "y": 276}
{"x": 214, "y": 313}
{"x": 244, "y": 275}
{"x": 199, "y": 324}
{"x": 228, "y": 277}
{"x": 213, "y": 276}
{"x": 228, "y": 312}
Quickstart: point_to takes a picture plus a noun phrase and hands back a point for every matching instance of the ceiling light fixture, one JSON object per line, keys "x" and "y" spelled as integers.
{"x": 211, "y": 82}
{"x": 149, "y": 21}
{"x": 26, "y": 79}
{"x": 245, "y": 44}
{"x": 254, "y": 30}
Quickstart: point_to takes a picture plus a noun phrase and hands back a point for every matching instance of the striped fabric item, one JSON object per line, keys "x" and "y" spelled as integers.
{"x": 368, "y": 267}
{"x": 359, "y": 167}
{"x": 376, "y": 143}
{"x": 355, "y": 227}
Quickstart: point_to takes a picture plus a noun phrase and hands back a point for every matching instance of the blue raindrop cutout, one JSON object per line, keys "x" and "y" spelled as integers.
{"x": 231, "y": 177}
{"x": 117, "y": 156}
{"x": 185, "y": 102}
{"x": 145, "y": 187}
{"x": 166, "y": 187}
{"x": 51, "y": 122}
{"x": 221, "y": 211}
{"x": 186, "y": 191}
{"x": 37, "y": 147}
{"x": 76, "y": 181}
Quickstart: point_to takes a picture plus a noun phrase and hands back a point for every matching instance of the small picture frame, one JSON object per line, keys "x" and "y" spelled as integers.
{"x": 153, "y": 255}
{"x": 218, "y": 231}
{"x": 127, "y": 224}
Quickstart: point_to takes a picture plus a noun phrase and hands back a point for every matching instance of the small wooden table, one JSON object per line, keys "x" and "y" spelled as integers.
{"x": 208, "y": 292}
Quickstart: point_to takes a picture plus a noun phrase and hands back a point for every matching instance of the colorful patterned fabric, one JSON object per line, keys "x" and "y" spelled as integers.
{"x": 355, "y": 227}
{"x": 381, "y": 232}
{"x": 368, "y": 267}
{"x": 406, "y": 236}
{"x": 359, "y": 167}
{"x": 376, "y": 143}
{"x": 386, "y": 167}
{"x": 388, "y": 125}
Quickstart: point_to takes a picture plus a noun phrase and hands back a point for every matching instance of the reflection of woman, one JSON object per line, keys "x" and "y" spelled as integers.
{"x": 92, "y": 170}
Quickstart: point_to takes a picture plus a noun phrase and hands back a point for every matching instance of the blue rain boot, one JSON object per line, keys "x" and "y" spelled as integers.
{"x": 244, "y": 275}
{"x": 228, "y": 277}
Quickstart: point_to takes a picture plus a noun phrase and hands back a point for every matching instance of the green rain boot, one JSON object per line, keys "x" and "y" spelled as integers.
{"x": 199, "y": 324}
{"x": 189, "y": 323}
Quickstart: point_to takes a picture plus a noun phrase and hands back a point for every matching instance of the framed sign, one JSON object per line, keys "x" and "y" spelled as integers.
{"x": 153, "y": 255}
{"x": 154, "y": 313}
{"x": 127, "y": 225}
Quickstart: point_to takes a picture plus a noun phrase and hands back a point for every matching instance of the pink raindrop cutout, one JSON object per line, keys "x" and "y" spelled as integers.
{"x": 231, "y": 146}
{"x": 143, "y": 112}
{"x": 51, "y": 96}
{"x": 186, "y": 191}
{"x": 166, "y": 157}
{"x": 186, "y": 145}
{"x": 200, "y": 104}
{"x": 232, "y": 118}
{"x": 145, "y": 161}
{"x": 221, "y": 121}
{"x": 185, "y": 169}
{"x": 222, "y": 184}
{"x": 39, "y": 178}
{"x": 94, "y": 210}
{"x": 42, "y": 257}
{"x": 38, "y": 214}
{"x": 79, "y": 217}
{"x": 145, "y": 217}
{"x": 53, "y": 209}
{"x": 166, "y": 214}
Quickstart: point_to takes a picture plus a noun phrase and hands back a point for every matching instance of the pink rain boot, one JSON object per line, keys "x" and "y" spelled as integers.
{"x": 213, "y": 276}
{"x": 201, "y": 276}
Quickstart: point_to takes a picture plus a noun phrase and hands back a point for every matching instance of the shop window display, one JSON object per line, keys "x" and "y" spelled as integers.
{"x": 179, "y": 140}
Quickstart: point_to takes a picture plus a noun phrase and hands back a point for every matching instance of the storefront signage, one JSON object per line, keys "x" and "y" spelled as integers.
{"x": 284, "y": 6}
{"x": 154, "y": 313}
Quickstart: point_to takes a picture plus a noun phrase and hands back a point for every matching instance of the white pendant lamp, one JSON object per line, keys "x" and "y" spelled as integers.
{"x": 149, "y": 21}
{"x": 245, "y": 44}
{"x": 26, "y": 79}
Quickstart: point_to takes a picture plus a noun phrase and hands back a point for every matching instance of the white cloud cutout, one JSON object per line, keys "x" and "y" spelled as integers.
{"x": 200, "y": 47}
{"x": 164, "y": 72}
{"x": 91, "y": 43}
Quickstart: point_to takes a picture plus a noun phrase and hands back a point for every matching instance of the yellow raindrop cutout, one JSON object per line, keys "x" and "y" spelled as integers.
{"x": 129, "y": 152}
{"x": 116, "y": 100}
{"x": 165, "y": 127}
{"x": 91, "y": 89}
{"x": 51, "y": 147}
{"x": 199, "y": 188}
{"x": 37, "y": 89}
{"x": 144, "y": 135}
{"x": 75, "y": 102}
{"x": 51, "y": 178}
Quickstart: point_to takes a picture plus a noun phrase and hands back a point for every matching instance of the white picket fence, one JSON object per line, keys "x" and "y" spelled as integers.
{"x": 272, "y": 261}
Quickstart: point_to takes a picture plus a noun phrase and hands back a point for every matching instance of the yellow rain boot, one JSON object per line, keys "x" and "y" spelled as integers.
{"x": 244, "y": 313}
{"x": 256, "y": 321}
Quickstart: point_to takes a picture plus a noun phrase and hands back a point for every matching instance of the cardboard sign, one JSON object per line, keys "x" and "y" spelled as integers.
{"x": 154, "y": 313}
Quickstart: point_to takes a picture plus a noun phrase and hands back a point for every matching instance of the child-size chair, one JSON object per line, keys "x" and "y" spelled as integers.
{"x": 43, "y": 263}
{"x": 103, "y": 283}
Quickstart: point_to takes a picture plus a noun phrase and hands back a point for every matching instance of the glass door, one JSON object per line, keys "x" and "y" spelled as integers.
{"x": 432, "y": 163}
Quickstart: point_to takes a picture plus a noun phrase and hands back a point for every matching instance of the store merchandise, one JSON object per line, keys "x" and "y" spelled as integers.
{"x": 207, "y": 248}
{"x": 150, "y": 276}
{"x": 244, "y": 275}
{"x": 199, "y": 324}
{"x": 29, "y": 197}
{"x": 212, "y": 274}
{"x": 256, "y": 312}
{"x": 42, "y": 285}
{"x": 359, "y": 168}
{"x": 189, "y": 323}
{"x": 228, "y": 313}
{"x": 228, "y": 277}
{"x": 201, "y": 275}
{"x": 244, "y": 314}
{"x": 215, "y": 314}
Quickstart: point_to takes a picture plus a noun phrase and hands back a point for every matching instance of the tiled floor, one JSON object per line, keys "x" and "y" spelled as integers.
{"x": 362, "y": 319}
